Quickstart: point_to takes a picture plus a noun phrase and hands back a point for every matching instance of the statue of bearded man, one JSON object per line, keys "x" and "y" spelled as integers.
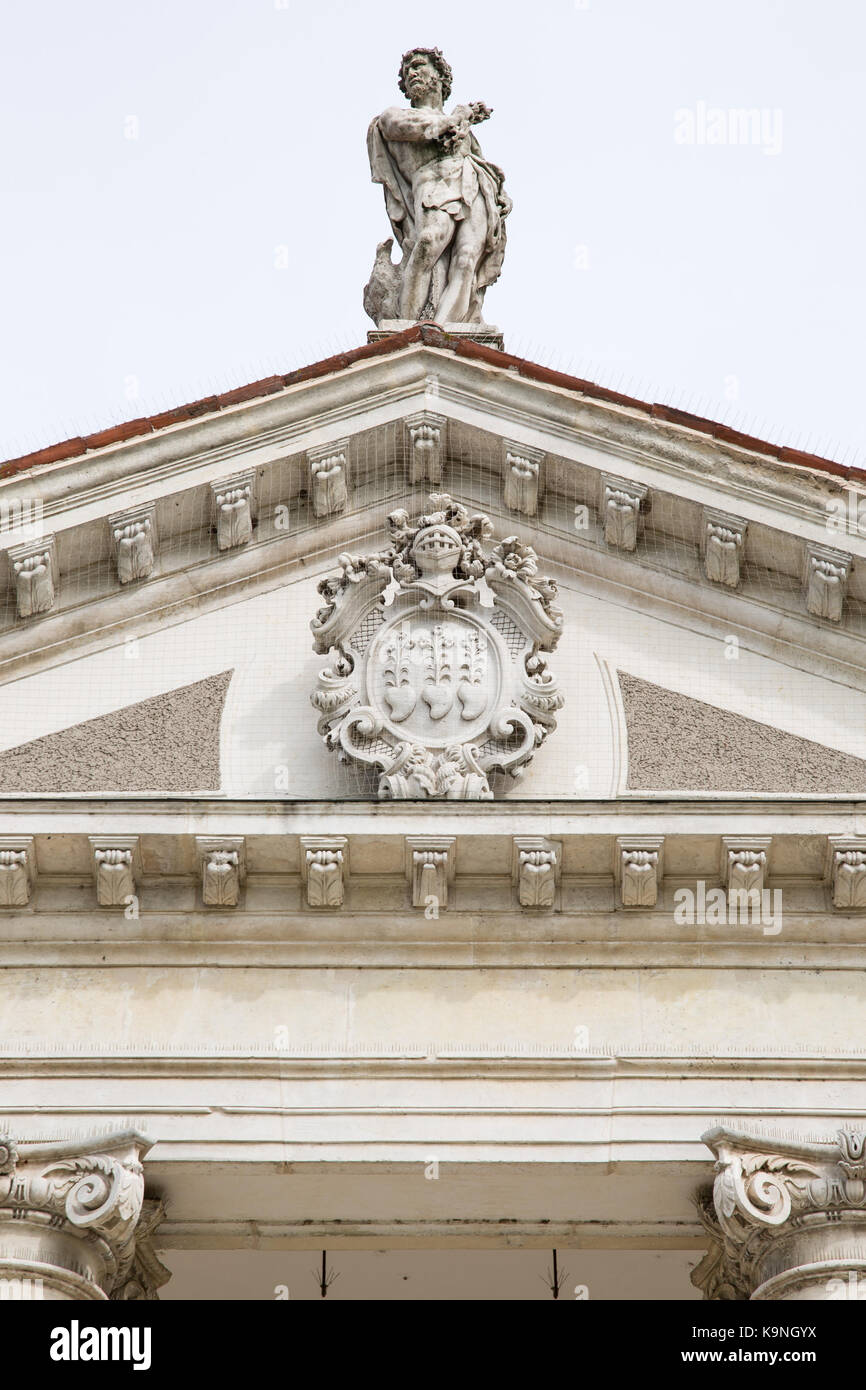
{"x": 446, "y": 203}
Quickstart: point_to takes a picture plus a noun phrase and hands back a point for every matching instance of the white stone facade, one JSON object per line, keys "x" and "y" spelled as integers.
{"x": 550, "y": 993}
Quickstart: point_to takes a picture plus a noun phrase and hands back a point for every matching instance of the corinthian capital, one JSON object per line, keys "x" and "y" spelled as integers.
{"x": 69, "y": 1213}
{"x": 791, "y": 1216}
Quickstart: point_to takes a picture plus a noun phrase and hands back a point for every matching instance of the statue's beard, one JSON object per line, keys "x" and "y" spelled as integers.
{"x": 421, "y": 89}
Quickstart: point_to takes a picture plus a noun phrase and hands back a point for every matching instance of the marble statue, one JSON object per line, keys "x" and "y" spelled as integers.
{"x": 446, "y": 203}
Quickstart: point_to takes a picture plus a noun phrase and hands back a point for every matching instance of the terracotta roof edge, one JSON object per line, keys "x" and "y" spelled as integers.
{"x": 430, "y": 335}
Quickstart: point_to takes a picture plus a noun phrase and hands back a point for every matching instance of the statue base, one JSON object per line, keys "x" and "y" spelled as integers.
{"x": 472, "y": 332}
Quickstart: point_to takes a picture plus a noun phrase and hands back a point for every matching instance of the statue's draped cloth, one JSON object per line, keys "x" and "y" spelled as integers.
{"x": 462, "y": 178}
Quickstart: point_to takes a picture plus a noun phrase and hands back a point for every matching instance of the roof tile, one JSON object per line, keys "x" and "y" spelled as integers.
{"x": 432, "y": 335}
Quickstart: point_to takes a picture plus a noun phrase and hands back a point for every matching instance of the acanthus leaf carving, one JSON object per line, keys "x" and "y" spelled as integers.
{"x": 145, "y": 1276}
{"x": 724, "y": 539}
{"x": 329, "y": 478}
{"x": 430, "y": 867}
{"x": 323, "y": 867}
{"x": 428, "y": 684}
{"x": 778, "y": 1205}
{"x": 622, "y": 505}
{"x": 36, "y": 575}
{"x": 744, "y": 865}
{"x": 846, "y": 871}
{"x": 234, "y": 505}
{"x": 91, "y": 1192}
{"x": 17, "y": 870}
{"x": 536, "y": 871}
{"x": 134, "y": 538}
{"x": 425, "y": 434}
{"x": 826, "y": 575}
{"x": 718, "y": 1275}
{"x": 223, "y": 869}
{"x": 116, "y": 868}
{"x": 638, "y": 868}
{"x": 522, "y": 478}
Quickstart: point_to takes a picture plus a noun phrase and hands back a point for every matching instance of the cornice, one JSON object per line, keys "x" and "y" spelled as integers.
{"x": 340, "y": 392}
{"x": 75, "y": 865}
{"x": 77, "y": 862}
{"x": 583, "y": 435}
{"x": 284, "y": 424}
{"x": 658, "y": 453}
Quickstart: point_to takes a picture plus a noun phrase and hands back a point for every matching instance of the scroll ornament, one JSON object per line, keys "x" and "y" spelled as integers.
{"x": 430, "y": 684}
{"x": 96, "y": 1195}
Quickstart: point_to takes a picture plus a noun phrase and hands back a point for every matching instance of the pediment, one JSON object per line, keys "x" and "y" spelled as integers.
{"x": 202, "y": 543}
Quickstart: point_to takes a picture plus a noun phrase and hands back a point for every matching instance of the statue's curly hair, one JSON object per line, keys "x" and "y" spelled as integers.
{"x": 439, "y": 63}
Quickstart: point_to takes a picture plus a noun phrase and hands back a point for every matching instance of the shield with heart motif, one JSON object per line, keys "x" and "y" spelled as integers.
{"x": 437, "y": 675}
{"x": 434, "y": 681}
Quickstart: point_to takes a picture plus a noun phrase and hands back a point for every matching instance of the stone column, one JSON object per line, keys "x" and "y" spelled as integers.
{"x": 70, "y": 1215}
{"x": 786, "y": 1220}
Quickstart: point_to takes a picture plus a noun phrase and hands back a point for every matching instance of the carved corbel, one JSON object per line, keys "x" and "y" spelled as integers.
{"x": 744, "y": 863}
{"x": 116, "y": 868}
{"x": 430, "y": 868}
{"x": 825, "y": 579}
{"x": 223, "y": 869}
{"x": 623, "y": 503}
{"x": 845, "y": 871}
{"x": 425, "y": 441}
{"x": 36, "y": 575}
{"x": 17, "y": 870}
{"x": 234, "y": 509}
{"x": 329, "y": 477}
{"x": 134, "y": 539}
{"x": 638, "y": 869}
{"x": 536, "y": 864}
{"x": 522, "y": 478}
{"x": 323, "y": 869}
{"x": 723, "y": 540}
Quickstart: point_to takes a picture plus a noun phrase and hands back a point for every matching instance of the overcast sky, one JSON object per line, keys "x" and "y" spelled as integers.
{"x": 188, "y": 204}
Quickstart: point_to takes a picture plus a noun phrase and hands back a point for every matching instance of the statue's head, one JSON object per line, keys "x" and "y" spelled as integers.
{"x": 421, "y": 71}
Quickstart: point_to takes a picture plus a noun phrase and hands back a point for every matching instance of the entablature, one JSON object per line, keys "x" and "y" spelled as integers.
{"x": 280, "y": 1146}
{"x": 624, "y": 882}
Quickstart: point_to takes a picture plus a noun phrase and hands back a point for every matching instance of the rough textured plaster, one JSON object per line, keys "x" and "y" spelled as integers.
{"x": 169, "y": 743}
{"x": 678, "y": 743}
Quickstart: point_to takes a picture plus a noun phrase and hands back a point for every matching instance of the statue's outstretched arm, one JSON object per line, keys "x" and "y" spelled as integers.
{"x": 409, "y": 124}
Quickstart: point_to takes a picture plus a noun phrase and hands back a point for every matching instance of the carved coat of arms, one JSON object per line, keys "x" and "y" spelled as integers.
{"x": 437, "y": 676}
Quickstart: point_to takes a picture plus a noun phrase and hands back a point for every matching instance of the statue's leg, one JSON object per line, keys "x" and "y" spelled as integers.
{"x": 466, "y": 252}
{"x": 434, "y": 235}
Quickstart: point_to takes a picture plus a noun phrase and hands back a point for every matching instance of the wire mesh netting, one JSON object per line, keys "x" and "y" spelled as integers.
{"x": 602, "y": 589}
